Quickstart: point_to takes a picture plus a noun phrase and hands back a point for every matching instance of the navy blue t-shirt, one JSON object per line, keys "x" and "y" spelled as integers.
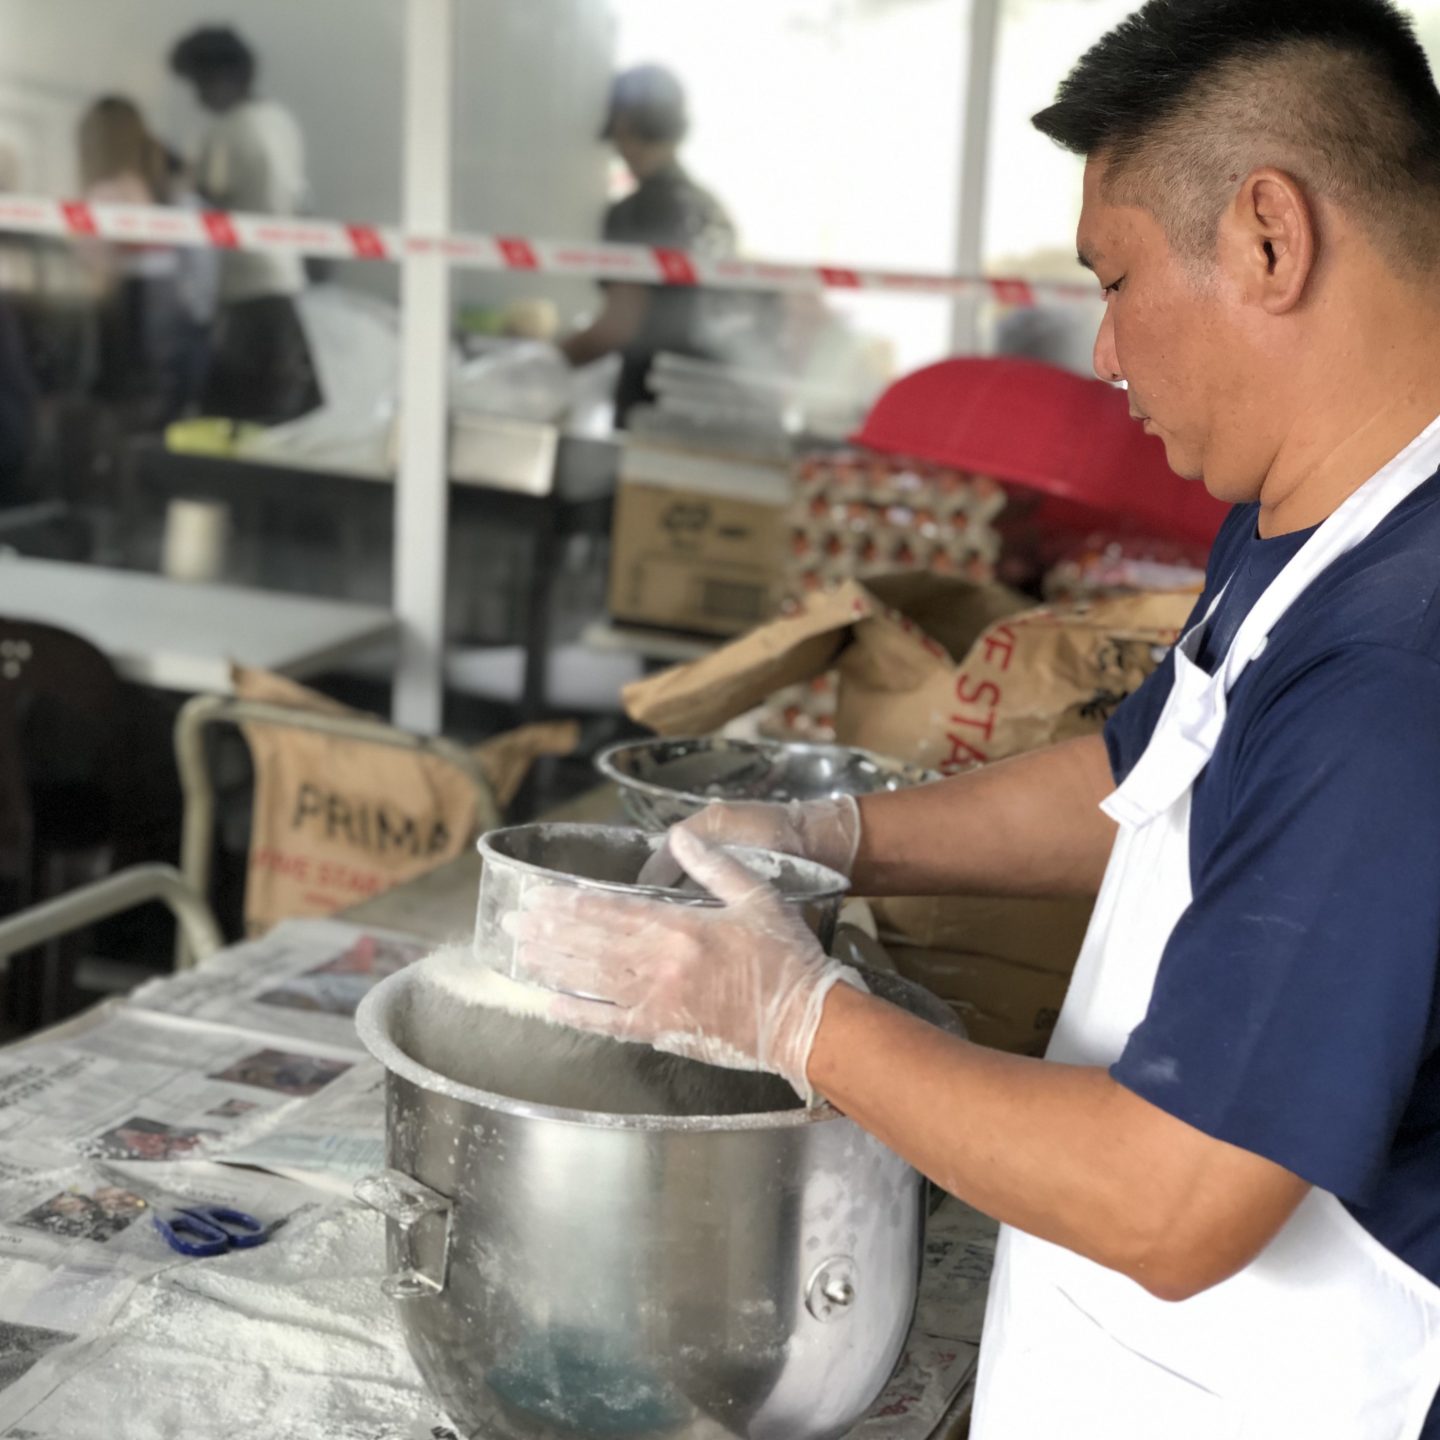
{"x": 1296, "y": 1012}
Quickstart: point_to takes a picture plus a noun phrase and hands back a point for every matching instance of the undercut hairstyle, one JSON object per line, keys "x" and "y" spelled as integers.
{"x": 1186, "y": 98}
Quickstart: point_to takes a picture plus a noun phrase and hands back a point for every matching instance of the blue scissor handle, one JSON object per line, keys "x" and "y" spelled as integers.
{"x": 211, "y": 1230}
{"x": 240, "y": 1229}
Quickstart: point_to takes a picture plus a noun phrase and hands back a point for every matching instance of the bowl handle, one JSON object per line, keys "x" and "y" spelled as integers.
{"x": 422, "y": 1218}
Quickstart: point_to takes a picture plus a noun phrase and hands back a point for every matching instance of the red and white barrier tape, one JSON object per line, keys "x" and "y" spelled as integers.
{"x": 221, "y": 230}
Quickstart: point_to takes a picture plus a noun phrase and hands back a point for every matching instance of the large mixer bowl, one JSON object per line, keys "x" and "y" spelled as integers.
{"x": 608, "y": 858}
{"x": 564, "y": 1274}
{"x": 663, "y": 782}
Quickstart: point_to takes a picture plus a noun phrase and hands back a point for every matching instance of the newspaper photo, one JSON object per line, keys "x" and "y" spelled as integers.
{"x": 330, "y": 1141}
{"x": 930, "y": 1374}
{"x": 304, "y": 979}
{"x": 143, "y": 1086}
{"x": 959, "y": 1255}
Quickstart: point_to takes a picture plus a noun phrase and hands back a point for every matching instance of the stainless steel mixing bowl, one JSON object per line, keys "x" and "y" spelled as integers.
{"x": 563, "y": 1274}
{"x": 664, "y": 781}
{"x": 609, "y": 858}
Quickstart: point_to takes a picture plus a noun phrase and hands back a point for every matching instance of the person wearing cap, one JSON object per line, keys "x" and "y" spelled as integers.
{"x": 1220, "y": 1190}
{"x": 252, "y": 160}
{"x": 646, "y": 123}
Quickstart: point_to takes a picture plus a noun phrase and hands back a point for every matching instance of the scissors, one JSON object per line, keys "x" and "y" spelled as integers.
{"x": 211, "y": 1230}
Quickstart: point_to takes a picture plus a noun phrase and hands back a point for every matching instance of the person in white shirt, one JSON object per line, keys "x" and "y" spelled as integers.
{"x": 252, "y": 160}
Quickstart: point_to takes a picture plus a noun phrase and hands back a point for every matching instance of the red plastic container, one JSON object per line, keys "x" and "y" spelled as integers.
{"x": 1048, "y": 431}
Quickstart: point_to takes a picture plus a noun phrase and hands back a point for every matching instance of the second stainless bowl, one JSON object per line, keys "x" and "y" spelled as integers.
{"x": 662, "y": 782}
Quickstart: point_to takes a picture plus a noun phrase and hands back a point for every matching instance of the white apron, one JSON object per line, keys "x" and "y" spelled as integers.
{"x": 1326, "y": 1335}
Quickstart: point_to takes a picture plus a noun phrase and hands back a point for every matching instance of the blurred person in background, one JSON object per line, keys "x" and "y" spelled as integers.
{"x": 252, "y": 159}
{"x": 19, "y": 389}
{"x": 158, "y": 301}
{"x": 19, "y": 398}
{"x": 647, "y": 121}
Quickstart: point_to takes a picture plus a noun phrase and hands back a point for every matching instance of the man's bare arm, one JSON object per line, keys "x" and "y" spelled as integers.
{"x": 613, "y": 329}
{"x": 1029, "y": 826}
{"x": 1064, "y": 1152}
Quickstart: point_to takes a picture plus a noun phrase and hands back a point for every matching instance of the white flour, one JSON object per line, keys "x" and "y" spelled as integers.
{"x": 476, "y": 1026}
{"x": 292, "y": 1340}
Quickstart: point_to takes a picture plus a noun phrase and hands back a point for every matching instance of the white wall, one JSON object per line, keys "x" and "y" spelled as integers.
{"x": 830, "y": 129}
{"x": 531, "y": 88}
{"x": 531, "y": 80}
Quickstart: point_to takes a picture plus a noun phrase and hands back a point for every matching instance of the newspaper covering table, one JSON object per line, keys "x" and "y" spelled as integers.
{"x": 243, "y": 1083}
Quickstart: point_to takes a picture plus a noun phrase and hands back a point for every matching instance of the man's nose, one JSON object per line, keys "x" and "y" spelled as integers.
{"x": 1104, "y": 359}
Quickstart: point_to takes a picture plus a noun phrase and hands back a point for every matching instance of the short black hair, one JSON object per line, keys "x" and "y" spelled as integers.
{"x": 1338, "y": 92}
{"x": 651, "y": 100}
{"x": 213, "y": 52}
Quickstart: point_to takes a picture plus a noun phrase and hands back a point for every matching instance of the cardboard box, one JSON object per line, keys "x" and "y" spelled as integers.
{"x": 1002, "y": 964}
{"x": 698, "y": 540}
{"x": 1025, "y": 678}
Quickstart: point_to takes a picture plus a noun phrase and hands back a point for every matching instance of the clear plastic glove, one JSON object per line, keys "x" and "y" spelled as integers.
{"x": 742, "y": 984}
{"x": 825, "y": 831}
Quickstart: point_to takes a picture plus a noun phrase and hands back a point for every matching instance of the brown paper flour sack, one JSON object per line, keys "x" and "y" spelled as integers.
{"x": 1027, "y": 678}
{"x": 1030, "y": 680}
{"x": 337, "y": 821}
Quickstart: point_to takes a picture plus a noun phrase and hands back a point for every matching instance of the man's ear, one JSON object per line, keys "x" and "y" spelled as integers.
{"x": 1270, "y": 239}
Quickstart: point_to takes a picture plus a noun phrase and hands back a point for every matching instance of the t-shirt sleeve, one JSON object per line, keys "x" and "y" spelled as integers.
{"x": 652, "y": 216}
{"x": 1130, "y": 726}
{"x": 1132, "y": 723}
{"x": 641, "y": 219}
{"x": 616, "y": 228}
{"x": 1294, "y": 1002}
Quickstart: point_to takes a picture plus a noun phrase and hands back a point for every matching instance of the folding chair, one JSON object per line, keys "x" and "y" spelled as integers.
{"x": 81, "y": 908}
{"x": 197, "y": 834}
{"x": 61, "y": 790}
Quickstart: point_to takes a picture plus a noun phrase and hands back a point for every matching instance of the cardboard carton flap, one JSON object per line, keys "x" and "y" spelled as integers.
{"x": 699, "y": 697}
{"x": 954, "y": 613}
{"x": 886, "y": 636}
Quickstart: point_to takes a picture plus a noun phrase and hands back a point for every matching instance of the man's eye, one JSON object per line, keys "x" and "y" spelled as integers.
{"x": 1113, "y": 288}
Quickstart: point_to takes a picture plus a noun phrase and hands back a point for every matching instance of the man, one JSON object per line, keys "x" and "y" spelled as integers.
{"x": 1221, "y": 1190}
{"x": 252, "y": 160}
{"x": 647, "y": 121}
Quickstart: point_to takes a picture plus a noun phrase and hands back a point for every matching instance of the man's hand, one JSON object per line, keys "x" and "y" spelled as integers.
{"x": 825, "y": 831}
{"x": 740, "y": 985}
{"x": 616, "y": 327}
{"x": 1029, "y": 826}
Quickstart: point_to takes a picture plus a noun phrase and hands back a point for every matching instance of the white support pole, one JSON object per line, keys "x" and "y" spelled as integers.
{"x": 422, "y": 488}
{"x": 984, "y": 40}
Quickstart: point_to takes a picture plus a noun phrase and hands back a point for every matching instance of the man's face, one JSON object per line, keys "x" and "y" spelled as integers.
{"x": 642, "y": 157}
{"x": 219, "y": 93}
{"x": 1170, "y": 332}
